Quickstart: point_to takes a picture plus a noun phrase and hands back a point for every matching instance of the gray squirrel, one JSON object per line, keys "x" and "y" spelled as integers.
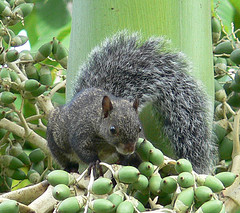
{"x": 120, "y": 74}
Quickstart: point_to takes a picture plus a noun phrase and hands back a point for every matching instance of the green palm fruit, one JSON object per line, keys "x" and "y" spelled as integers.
{"x": 45, "y": 76}
{"x": 227, "y": 178}
{"x": 235, "y": 56}
{"x": 224, "y": 47}
{"x": 2, "y": 133}
{"x": 127, "y": 174}
{"x": 212, "y": 206}
{"x": 234, "y": 86}
{"x": 14, "y": 77}
{"x": 220, "y": 94}
{"x": 17, "y": 2}
{"x": 102, "y": 186}
{"x": 16, "y": 174}
{"x": 3, "y": 31}
{"x": 2, "y": 57}
{"x": 62, "y": 55}
{"x": 101, "y": 206}
{"x": 39, "y": 167}
{"x": 140, "y": 140}
{"x": 142, "y": 196}
{"x": 23, "y": 9}
{"x": 234, "y": 99}
{"x": 20, "y": 154}
{"x": 18, "y": 40}
{"x": 220, "y": 128}
{"x": 220, "y": 66}
{"x": 9, "y": 206}
{"x": 60, "y": 177}
{"x": 144, "y": 150}
{"x": 25, "y": 55}
{"x": 156, "y": 157}
{"x": 141, "y": 183}
{"x": 5, "y": 74}
{"x": 39, "y": 91}
{"x": 54, "y": 46}
{"x": 33, "y": 176}
{"x": 5, "y": 10}
{"x": 216, "y": 25}
{"x": 116, "y": 198}
{"x": 146, "y": 168}
{"x": 168, "y": 185}
{"x": 9, "y": 115}
{"x": 71, "y": 204}
{"x": 140, "y": 207}
{"x": 154, "y": 183}
{"x": 46, "y": 174}
{"x": 61, "y": 192}
{"x": 125, "y": 206}
{"x": 230, "y": 62}
{"x": 31, "y": 72}
{"x": 2, "y": 113}
{"x": 216, "y": 29}
{"x": 165, "y": 198}
{"x": 213, "y": 183}
{"x": 8, "y": 36}
{"x": 36, "y": 155}
{"x": 12, "y": 55}
{"x": 237, "y": 77}
{"x": 43, "y": 52}
{"x": 184, "y": 200}
{"x": 30, "y": 85}
{"x": 183, "y": 165}
{"x": 7, "y": 97}
{"x": 185, "y": 179}
{"x": 5, "y": 184}
{"x": 10, "y": 162}
{"x": 203, "y": 194}
{"x": 6, "y": 3}
{"x": 226, "y": 147}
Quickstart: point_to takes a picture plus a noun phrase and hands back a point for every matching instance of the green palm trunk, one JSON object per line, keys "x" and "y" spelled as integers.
{"x": 187, "y": 23}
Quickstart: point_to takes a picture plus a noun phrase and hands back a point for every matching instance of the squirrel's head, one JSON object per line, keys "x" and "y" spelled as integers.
{"x": 120, "y": 125}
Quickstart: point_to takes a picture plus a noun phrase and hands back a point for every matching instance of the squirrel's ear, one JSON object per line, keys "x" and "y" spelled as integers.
{"x": 106, "y": 106}
{"x": 136, "y": 104}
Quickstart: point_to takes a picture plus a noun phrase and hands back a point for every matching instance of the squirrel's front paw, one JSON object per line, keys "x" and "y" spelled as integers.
{"x": 97, "y": 169}
{"x": 72, "y": 167}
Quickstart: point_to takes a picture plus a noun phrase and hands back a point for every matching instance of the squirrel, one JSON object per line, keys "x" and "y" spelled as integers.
{"x": 120, "y": 77}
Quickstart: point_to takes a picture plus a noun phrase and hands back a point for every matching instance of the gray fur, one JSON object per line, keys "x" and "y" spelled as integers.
{"x": 127, "y": 67}
{"x": 78, "y": 131}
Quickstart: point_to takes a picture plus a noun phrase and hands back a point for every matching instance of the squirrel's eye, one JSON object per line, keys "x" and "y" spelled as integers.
{"x": 140, "y": 129}
{"x": 113, "y": 130}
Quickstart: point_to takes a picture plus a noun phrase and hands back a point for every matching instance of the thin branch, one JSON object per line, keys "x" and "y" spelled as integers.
{"x": 33, "y": 137}
{"x": 236, "y": 146}
{"x": 22, "y": 119}
{"x": 56, "y": 88}
{"x": 27, "y": 194}
{"x": 17, "y": 70}
{"x": 34, "y": 117}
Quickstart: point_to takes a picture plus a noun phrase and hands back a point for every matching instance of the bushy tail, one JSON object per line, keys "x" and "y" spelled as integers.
{"x": 128, "y": 67}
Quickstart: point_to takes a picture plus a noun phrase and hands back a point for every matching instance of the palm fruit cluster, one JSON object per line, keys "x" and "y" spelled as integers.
{"x": 24, "y": 78}
{"x": 17, "y": 165}
{"x": 226, "y": 51}
{"x": 130, "y": 189}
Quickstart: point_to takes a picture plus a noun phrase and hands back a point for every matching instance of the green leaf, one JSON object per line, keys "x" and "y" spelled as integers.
{"x": 236, "y": 4}
{"x": 226, "y": 12}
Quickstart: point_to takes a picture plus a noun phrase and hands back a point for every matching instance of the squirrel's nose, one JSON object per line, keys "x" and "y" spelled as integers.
{"x": 126, "y": 149}
{"x": 130, "y": 147}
